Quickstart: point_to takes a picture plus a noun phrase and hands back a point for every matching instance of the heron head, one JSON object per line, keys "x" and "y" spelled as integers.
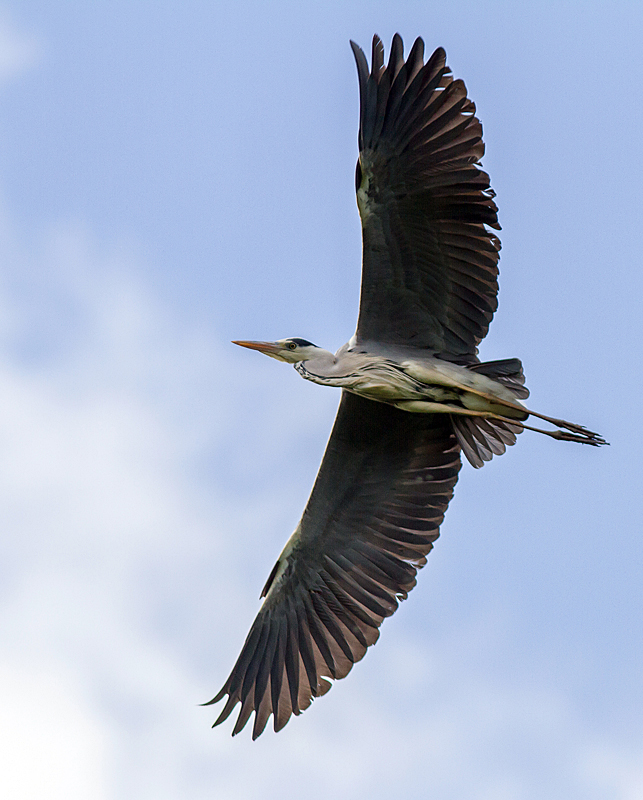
{"x": 289, "y": 350}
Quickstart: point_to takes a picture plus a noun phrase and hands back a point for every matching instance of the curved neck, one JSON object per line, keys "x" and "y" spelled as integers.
{"x": 319, "y": 368}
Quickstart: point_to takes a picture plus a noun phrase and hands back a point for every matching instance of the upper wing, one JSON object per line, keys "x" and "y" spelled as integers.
{"x": 373, "y": 515}
{"x": 430, "y": 269}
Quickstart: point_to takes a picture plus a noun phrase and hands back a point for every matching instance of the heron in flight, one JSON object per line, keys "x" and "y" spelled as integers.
{"x": 415, "y": 395}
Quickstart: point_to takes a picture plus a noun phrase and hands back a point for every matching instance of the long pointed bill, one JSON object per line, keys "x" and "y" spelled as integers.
{"x": 269, "y": 348}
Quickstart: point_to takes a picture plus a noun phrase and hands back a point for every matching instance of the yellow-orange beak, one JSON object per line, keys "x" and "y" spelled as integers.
{"x": 269, "y": 348}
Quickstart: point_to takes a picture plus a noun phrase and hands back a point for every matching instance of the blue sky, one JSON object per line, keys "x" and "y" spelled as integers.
{"x": 176, "y": 175}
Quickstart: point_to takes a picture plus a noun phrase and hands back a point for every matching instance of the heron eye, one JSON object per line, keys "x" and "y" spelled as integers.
{"x": 292, "y": 346}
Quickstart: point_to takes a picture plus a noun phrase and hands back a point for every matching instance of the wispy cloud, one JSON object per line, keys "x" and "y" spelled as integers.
{"x": 18, "y": 50}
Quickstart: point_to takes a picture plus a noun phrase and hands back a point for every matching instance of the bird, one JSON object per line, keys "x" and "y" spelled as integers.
{"x": 415, "y": 395}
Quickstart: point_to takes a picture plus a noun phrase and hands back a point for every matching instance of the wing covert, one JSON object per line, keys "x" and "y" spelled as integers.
{"x": 430, "y": 271}
{"x": 384, "y": 484}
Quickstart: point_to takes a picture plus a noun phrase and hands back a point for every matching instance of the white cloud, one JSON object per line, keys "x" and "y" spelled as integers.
{"x": 95, "y": 494}
{"x": 52, "y": 742}
{"x": 17, "y": 50}
{"x": 618, "y": 770}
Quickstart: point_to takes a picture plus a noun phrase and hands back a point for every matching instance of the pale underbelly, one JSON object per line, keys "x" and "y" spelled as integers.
{"x": 424, "y": 388}
{"x": 403, "y": 390}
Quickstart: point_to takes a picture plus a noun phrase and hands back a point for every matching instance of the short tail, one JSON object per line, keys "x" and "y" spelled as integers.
{"x": 481, "y": 439}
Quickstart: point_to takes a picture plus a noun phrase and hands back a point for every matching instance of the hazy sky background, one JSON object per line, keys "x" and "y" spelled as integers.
{"x": 176, "y": 175}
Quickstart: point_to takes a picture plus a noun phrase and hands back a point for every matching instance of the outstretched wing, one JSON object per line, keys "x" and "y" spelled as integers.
{"x": 373, "y": 515}
{"x": 430, "y": 269}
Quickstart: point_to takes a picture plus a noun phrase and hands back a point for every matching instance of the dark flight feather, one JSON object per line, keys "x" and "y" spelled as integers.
{"x": 386, "y": 479}
{"x": 429, "y": 276}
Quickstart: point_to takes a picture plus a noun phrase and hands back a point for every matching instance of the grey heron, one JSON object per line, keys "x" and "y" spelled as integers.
{"x": 414, "y": 393}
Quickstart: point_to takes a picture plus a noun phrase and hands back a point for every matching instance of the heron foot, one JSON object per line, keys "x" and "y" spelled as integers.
{"x": 572, "y": 426}
{"x": 576, "y": 433}
{"x": 586, "y": 437}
